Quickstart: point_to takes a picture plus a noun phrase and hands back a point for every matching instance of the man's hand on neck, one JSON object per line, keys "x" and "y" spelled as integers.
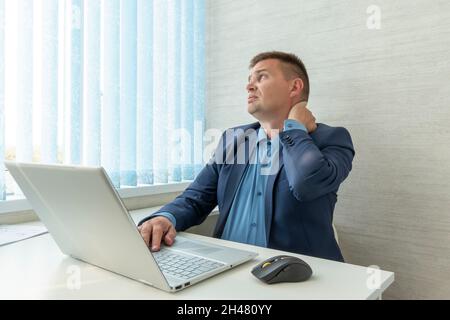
{"x": 300, "y": 113}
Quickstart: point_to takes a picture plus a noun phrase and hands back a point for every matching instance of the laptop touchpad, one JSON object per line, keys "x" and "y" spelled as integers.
{"x": 183, "y": 244}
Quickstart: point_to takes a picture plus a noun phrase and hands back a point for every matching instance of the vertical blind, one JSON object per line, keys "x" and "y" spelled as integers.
{"x": 116, "y": 83}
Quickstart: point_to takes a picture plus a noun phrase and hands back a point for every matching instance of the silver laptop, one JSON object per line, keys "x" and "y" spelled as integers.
{"x": 86, "y": 217}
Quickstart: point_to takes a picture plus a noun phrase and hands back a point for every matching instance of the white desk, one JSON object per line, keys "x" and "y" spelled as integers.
{"x": 36, "y": 269}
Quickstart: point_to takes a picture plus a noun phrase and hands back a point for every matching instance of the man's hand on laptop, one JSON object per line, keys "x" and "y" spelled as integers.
{"x": 157, "y": 229}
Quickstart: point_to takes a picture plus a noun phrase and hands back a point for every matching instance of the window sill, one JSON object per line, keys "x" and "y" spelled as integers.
{"x": 18, "y": 205}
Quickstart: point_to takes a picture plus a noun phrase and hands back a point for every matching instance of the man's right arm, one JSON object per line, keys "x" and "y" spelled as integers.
{"x": 167, "y": 215}
{"x": 188, "y": 209}
{"x": 195, "y": 203}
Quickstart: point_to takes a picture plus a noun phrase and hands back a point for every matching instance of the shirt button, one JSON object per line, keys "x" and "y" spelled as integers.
{"x": 269, "y": 143}
{"x": 253, "y": 224}
{"x": 259, "y": 193}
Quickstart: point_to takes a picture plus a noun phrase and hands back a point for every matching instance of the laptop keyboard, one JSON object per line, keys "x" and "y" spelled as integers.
{"x": 183, "y": 266}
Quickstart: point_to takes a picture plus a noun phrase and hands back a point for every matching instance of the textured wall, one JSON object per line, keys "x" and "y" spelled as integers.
{"x": 390, "y": 88}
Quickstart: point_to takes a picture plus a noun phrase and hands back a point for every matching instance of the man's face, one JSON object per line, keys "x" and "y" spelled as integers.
{"x": 268, "y": 90}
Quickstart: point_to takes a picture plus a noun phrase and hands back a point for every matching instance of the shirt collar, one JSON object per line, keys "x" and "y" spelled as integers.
{"x": 262, "y": 136}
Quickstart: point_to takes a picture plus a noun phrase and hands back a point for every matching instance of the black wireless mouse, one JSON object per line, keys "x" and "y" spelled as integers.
{"x": 282, "y": 269}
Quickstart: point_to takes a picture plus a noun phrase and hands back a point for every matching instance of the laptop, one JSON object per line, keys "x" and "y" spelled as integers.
{"x": 87, "y": 219}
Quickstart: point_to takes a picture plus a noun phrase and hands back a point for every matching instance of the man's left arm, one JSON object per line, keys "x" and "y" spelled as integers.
{"x": 314, "y": 172}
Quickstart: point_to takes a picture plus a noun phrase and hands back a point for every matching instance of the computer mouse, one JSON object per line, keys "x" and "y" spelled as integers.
{"x": 282, "y": 269}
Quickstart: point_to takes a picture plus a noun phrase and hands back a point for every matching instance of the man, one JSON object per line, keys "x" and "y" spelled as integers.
{"x": 290, "y": 206}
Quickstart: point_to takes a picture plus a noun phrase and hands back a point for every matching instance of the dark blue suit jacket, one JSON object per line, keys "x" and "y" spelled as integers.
{"x": 300, "y": 197}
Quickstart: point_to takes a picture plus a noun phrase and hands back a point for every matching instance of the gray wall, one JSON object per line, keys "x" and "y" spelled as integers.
{"x": 390, "y": 88}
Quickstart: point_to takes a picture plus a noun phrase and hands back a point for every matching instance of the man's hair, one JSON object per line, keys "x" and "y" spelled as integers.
{"x": 291, "y": 66}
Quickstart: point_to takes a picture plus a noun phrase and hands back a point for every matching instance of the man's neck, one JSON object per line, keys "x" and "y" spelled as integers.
{"x": 272, "y": 128}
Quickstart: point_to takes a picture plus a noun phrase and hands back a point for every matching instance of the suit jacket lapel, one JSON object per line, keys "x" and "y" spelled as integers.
{"x": 232, "y": 182}
{"x": 269, "y": 195}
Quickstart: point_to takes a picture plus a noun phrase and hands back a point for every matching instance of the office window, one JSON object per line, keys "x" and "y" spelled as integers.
{"x": 117, "y": 83}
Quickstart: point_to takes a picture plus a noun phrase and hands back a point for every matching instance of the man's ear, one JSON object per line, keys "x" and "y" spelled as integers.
{"x": 296, "y": 87}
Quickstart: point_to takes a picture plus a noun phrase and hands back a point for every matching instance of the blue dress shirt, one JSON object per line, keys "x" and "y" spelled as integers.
{"x": 245, "y": 222}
